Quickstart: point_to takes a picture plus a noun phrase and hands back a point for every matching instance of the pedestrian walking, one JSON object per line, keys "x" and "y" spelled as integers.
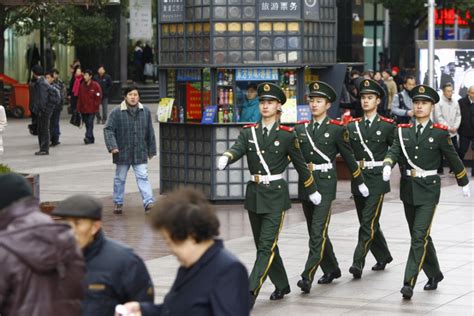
{"x": 74, "y": 86}
{"x": 138, "y": 62}
{"x": 55, "y": 128}
{"x": 56, "y": 101}
{"x": 447, "y": 112}
{"x": 115, "y": 274}
{"x": 210, "y": 280}
{"x": 268, "y": 146}
{"x": 88, "y": 103}
{"x": 105, "y": 82}
{"x": 43, "y": 106}
{"x": 130, "y": 138}
{"x": 42, "y": 268}
{"x": 321, "y": 139}
{"x": 370, "y": 137}
{"x": 402, "y": 105}
{"x": 466, "y": 128}
{"x": 418, "y": 148}
{"x": 3, "y": 124}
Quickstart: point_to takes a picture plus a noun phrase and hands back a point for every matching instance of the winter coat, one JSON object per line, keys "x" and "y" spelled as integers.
{"x": 42, "y": 269}
{"x": 392, "y": 91}
{"x": 447, "y": 112}
{"x": 131, "y": 133}
{"x": 115, "y": 275}
{"x": 89, "y": 97}
{"x": 105, "y": 83}
{"x": 40, "y": 97}
{"x": 466, "y": 128}
{"x": 250, "y": 111}
{"x": 3, "y": 124}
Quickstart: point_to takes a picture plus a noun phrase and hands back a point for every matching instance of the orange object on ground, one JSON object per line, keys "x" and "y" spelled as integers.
{"x": 19, "y": 101}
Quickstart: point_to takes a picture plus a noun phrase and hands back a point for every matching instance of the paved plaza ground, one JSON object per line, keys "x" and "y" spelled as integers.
{"x": 73, "y": 167}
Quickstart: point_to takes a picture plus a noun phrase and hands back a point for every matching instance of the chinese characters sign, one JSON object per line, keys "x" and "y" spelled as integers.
{"x": 280, "y": 8}
{"x": 193, "y": 101}
{"x": 140, "y": 19}
{"x": 256, "y": 74}
{"x": 171, "y": 10}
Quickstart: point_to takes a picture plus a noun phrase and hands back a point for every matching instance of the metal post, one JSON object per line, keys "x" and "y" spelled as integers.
{"x": 456, "y": 28}
{"x": 386, "y": 37}
{"x": 431, "y": 44}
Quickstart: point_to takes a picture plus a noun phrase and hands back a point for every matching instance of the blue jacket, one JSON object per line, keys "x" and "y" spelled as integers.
{"x": 217, "y": 284}
{"x": 250, "y": 111}
{"x": 115, "y": 275}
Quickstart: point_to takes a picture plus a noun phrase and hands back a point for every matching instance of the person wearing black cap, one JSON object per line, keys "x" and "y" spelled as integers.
{"x": 268, "y": 145}
{"x": 115, "y": 275}
{"x": 418, "y": 148}
{"x": 42, "y": 268}
{"x": 321, "y": 139}
{"x": 370, "y": 138}
{"x": 42, "y": 108}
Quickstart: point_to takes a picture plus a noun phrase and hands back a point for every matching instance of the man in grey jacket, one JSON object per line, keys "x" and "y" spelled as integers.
{"x": 130, "y": 138}
{"x": 402, "y": 103}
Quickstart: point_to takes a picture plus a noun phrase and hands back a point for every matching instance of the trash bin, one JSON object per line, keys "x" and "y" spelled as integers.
{"x": 19, "y": 104}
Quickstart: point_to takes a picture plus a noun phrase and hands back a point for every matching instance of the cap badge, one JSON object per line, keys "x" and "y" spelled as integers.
{"x": 266, "y": 88}
{"x": 316, "y": 86}
{"x": 366, "y": 83}
{"x": 421, "y": 90}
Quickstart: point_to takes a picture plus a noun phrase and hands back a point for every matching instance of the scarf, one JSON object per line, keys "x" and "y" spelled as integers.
{"x": 77, "y": 83}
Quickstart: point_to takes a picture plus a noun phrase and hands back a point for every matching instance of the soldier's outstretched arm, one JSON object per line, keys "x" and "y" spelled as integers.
{"x": 239, "y": 148}
{"x": 454, "y": 161}
{"x": 344, "y": 148}
{"x": 300, "y": 165}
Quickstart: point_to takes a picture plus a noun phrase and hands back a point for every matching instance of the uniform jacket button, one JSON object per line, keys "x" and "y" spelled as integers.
{"x": 416, "y": 157}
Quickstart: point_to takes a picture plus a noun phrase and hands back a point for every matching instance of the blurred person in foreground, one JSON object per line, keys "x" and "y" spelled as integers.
{"x": 114, "y": 274}
{"x": 210, "y": 280}
{"x": 42, "y": 269}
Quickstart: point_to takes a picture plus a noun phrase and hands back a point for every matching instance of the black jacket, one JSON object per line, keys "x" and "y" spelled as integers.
{"x": 40, "y": 97}
{"x": 217, "y": 284}
{"x": 466, "y": 128}
{"x": 115, "y": 275}
{"x": 105, "y": 83}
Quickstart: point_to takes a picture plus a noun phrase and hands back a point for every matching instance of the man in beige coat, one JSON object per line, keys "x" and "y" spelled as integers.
{"x": 391, "y": 87}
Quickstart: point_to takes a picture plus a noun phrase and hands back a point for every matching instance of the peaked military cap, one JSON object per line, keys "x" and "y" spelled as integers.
{"x": 322, "y": 89}
{"x": 270, "y": 91}
{"x": 371, "y": 86}
{"x": 425, "y": 93}
{"x": 79, "y": 206}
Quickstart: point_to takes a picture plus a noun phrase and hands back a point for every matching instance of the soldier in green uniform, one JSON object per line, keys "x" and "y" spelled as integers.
{"x": 269, "y": 147}
{"x": 321, "y": 139}
{"x": 418, "y": 149}
{"x": 370, "y": 138}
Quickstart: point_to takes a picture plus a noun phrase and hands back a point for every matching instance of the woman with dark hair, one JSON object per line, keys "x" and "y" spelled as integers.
{"x": 74, "y": 84}
{"x": 210, "y": 280}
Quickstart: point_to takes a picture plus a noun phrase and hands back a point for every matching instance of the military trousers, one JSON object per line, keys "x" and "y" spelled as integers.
{"x": 266, "y": 229}
{"x": 370, "y": 234}
{"x": 422, "y": 253}
{"x": 320, "y": 248}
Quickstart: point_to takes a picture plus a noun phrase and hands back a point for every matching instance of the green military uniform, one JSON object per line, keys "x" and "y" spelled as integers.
{"x": 370, "y": 146}
{"x": 420, "y": 184}
{"x": 267, "y": 202}
{"x": 329, "y": 138}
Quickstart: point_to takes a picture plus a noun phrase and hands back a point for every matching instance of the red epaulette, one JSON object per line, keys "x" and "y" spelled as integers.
{"x": 286, "y": 128}
{"x": 440, "y": 126}
{"x": 250, "y": 125}
{"x": 303, "y": 122}
{"x": 406, "y": 125}
{"x": 356, "y": 119}
{"x": 336, "y": 122}
{"x": 386, "y": 119}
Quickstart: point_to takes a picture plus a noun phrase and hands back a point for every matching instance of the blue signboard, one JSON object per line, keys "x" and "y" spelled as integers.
{"x": 256, "y": 74}
{"x": 209, "y": 114}
{"x": 188, "y": 75}
{"x": 303, "y": 113}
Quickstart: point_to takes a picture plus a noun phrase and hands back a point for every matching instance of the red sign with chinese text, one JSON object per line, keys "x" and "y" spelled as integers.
{"x": 193, "y": 101}
{"x": 449, "y": 16}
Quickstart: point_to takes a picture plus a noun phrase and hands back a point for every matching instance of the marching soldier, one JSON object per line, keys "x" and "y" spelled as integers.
{"x": 321, "y": 139}
{"x": 370, "y": 137}
{"x": 419, "y": 149}
{"x": 269, "y": 146}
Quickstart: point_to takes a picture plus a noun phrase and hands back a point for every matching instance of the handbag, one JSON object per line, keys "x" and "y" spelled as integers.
{"x": 149, "y": 70}
{"x": 76, "y": 119}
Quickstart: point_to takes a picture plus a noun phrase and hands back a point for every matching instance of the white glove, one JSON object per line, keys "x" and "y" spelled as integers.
{"x": 222, "y": 162}
{"x": 387, "y": 171}
{"x": 315, "y": 198}
{"x": 364, "y": 190}
{"x": 466, "y": 190}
